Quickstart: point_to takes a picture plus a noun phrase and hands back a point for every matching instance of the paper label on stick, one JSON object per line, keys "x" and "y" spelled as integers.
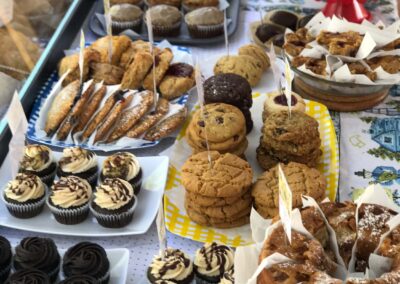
{"x": 81, "y": 56}
{"x": 288, "y": 86}
{"x": 285, "y": 203}
{"x": 275, "y": 69}
{"x": 6, "y": 11}
{"x": 108, "y": 28}
{"x": 226, "y": 34}
{"x": 160, "y": 223}
{"x": 151, "y": 41}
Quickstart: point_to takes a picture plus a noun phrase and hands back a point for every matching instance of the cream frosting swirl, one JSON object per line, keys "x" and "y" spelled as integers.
{"x": 77, "y": 160}
{"x": 122, "y": 165}
{"x": 176, "y": 265}
{"x": 70, "y": 191}
{"x": 228, "y": 278}
{"x": 36, "y": 158}
{"x": 25, "y": 187}
{"x": 113, "y": 193}
{"x": 213, "y": 259}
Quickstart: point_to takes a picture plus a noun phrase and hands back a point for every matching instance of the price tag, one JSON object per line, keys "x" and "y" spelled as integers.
{"x": 6, "y": 11}
{"x": 151, "y": 40}
{"x": 160, "y": 223}
{"x": 108, "y": 28}
{"x": 288, "y": 85}
{"x": 226, "y": 34}
{"x": 81, "y": 55}
{"x": 275, "y": 68}
{"x": 285, "y": 203}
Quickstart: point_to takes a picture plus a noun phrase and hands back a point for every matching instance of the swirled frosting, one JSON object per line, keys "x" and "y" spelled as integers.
{"x": 113, "y": 193}
{"x": 70, "y": 191}
{"x": 36, "y": 158}
{"x": 122, "y": 165}
{"x": 29, "y": 276}
{"x": 228, "y": 278}
{"x": 213, "y": 259}
{"x": 5, "y": 252}
{"x": 164, "y": 282}
{"x": 86, "y": 258}
{"x": 24, "y": 187}
{"x": 37, "y": 253}
{"x": 80, "y": 279}
{"x": 176, "y": 265}
{"x": 77, "y": 160}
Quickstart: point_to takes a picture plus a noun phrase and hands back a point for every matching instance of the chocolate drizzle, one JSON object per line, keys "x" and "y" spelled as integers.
{"x": 172, "y": 259}
{"x": 30, "y": 181}
{"x": 122, "y": 193}
{"x": 73, "y": 184}
{"x": 220, "y": 252}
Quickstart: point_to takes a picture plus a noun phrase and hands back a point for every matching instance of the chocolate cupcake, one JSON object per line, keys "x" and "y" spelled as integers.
{"x": 87, "y": 258}
{"x": 38, "y": 253}
{"x": 228, "y": 277}
{"x": 39, "y": 160}
{"x": 79, "y": 162}
{"x": 25, "y": 196}
{"x": 174, "y": 267}
{"x": 80, "y": 279}
{"x": 29, "y": 276}
{"x": 125, "y": 16}
{"x": 114, "y": 203}
{"x": 125, "y": 166}
{"x": 211, "y": 262}
{"x": 165, "y": 19}
{"x": 205, "y": 22}
{"x": 5, "y": 259}
{"x": 69, "y": 200}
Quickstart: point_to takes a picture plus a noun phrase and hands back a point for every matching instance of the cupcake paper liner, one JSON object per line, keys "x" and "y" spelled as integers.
{"x": 119, "y": 27}
{"x": 118, "y": 220}
{"x": 199, "y": 31}
{"x": 69, "y": 216}
{"x": 203, "y": 280}
{"x": 25, "y": 210}
{"x": 166, "y": 30}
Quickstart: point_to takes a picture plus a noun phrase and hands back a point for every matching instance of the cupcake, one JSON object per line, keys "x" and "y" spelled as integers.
{"x": 175, "y": 3}
{"x": 174, "y": 267}
{"x": 5, "y": 259}
{"x": 165, "y": 19}
{"x": 125, "y": 166}
{"x": 87, "y": 258}
{"x": 132, "y": 2}
{"x": 69, "y": 200}
{"x": 228, "y": 277}
{"x": 25, "y": 196}
{"x": 79, "y": 162}
{"x": 38, "y": 253}
{"x": 39, "y": 160}
{"x": 190, "y": 5}
{"x": 211, "y": 262}
{"x": 125, "y": 16}
{"x": 29, "y": 276}
{"x": 114, "y": 203}
{"x": 205, "y": 22}
{"x": 80, "y": 279}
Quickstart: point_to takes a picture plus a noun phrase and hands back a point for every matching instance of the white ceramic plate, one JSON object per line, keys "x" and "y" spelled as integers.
{"x": 155, "y": 170}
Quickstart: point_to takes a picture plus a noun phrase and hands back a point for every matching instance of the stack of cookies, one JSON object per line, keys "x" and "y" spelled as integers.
{"x": 221, "y": 126}
{"x": 289, "y": 139}
{"x": 217, "y": 189}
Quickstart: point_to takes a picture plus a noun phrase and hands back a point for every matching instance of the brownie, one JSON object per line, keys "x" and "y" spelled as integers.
{"x": 265, "y": 32}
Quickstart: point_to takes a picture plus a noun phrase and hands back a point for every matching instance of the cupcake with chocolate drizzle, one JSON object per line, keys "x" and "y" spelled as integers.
{"x": 211, "y": 262}
{"x": 39, "y": 160}
{"x": 125, "y": 166}
{"x": 25, "y": 196}
{"x": 114, "y": 203}
{"x": 79, "y": 162}
{"x": 228, "y": 277}
{"x": 277, "y": 102}
{"x": 69, "y": 200}
{"x": 173, "y": 267}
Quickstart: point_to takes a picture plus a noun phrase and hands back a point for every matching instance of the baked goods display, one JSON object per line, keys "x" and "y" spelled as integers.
{"x": 277, "y": 102}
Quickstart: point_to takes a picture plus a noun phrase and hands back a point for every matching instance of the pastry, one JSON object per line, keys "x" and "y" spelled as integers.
{"x": 79, "y": 279}
{"x": 135, "y": 47}
{"x": 257, "y": 53}
{"x": 86, "y": 258}
{"x": 390, "y": 247}
{"x": 125, "y": 16}
{"x": 176, "y": 3}
{"x": 243, "y": 65}
{"x": 114, "y": 203}
{"x": 165, "y": 19}
{"x": 205, "y": 22}
{"x": 166, "y": 126}
{"x": 163, "y": 59}
{"x": 277, "y": 102}
{"x": 389, "y": 63}
{"x": 38, "y": 253}
{"x": 301, "y": 179}
{"x": 178, "y": 80}
{"x": 39, "y": 160}
{"x": 5, "y": 258}
{"x": 125, "y": 166}
{"x": 316, "y": 65}
{"x": 190, "y": 5}
{"x": 106, "y": 73}
{"x": 211, "y": 261}
{"x": 61, "y": 106}
{"x": 173, "y": 266}
{"x": 24, "y": 196}
{"x": 29, "y": 276}
{"x": 345, "y": 43}
{"x": 392, "y": 45}
{"x": 137, "y": 70}
{"x": 69, "y": 200}
{"x": 359, "y": 68}
{"x": 119, "y": 45}
{"x": 77, "y": 108}
{"x": 297, "y": 41}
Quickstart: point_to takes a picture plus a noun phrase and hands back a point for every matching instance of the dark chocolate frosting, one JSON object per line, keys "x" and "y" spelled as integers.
{"x": 80, "y": 279}
{"x": 284, "y": 18}
{"x": 86, "y": 258}
{"x": 5, "y": 253}
{"x": 29, "y": 276}
{"x": 265, "y": 32}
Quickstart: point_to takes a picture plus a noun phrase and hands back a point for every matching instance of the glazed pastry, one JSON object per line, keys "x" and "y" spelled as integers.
{"x": 119, "y": 45}
{"x": 178, "y": 80}
{"x": 149, "y": 120}
{"x": 5, "y": 258}
{"x": 131, "y": 116}
{"x": 137, "y": 71}
{"x": 163, "y": 59}
{"x": 61, "y": 106}
{"x": 106, "y": 73}
{"x": 277, "y": 102}
{"x": 77, "y": 109}
{"x": 28, "y": 275}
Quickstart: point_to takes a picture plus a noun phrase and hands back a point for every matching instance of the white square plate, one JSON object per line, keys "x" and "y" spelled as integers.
{"x": 155, "y": 171}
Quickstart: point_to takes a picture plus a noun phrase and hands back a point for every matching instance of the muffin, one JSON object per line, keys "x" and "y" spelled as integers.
{"x": 69, "y": 200}
{"x": 211, "y": 262}
{"x": 175, "y": 3}
{"x": 205, "y": 22}
{"x": 89, "y": 259}
{"x": 38, "y": 253}
{"x": 125, "y": 16}
{"x": 5, "y": 258}
{"x": 277, "y": 102}
{"x": 29, "y": 276}
{"x": 114, "y": 203}
{"x": 125, "y": 166}
{"x": 133, "y": 2}
{"x": 79, "y": 279}
{"x": 166, "y": 20}
{"x": 39, "y": 160}
{"x": 79, "y": 162}
{"x": 173, "y": 267}
{"x": 25, "y": 196}
{"x": 190, "y": 5}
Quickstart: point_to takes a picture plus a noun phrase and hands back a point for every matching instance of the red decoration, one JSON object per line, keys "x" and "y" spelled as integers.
{"x": 351, "y": 10}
